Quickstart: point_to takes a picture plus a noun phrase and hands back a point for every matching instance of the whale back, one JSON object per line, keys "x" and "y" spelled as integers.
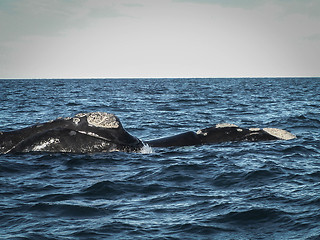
{"x": 219, "y": 134}
{"x": 183, "y": 139}
{"x": 86, "y": 132}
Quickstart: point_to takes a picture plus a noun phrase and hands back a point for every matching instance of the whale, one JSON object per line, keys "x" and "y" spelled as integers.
{"x": 222, "y": 133}
{"x": 103, "y": 132}
{"x": 83, "y": 133}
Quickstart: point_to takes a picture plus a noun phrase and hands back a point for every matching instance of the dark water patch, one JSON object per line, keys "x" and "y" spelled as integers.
{"x": 9, "y": 168}
{"x": 314, "y": 201}
{"x": 191, "y": 230}
{"x": 254, "y": 216}
{"x": 73, "y": 162}
{"x": 314, "y": 237}
{"x": 73, "y": 104}
{"x": 228, "y": 179}
{"x": 177, "y": 178}
{"x": 302, "y": 150}
{"x": 32, "y": 236}
{"x": 187, "y": 166}
{"x": 117, "y": 227}
{"x": 309, "y": 121}
{"x": 260, "y": 176}
{"x": 91, "y": 234}
{"x": 141, "y": 174}
{"x": 106, "y": 189}
{"x": 314, "y": 176}
{"x": 270, "y": 171}
{"x": 56, "y": 197}
{"x": 265, "y": 194}
{"x": 119, "y": 190}
{"x": 68, "y": 210}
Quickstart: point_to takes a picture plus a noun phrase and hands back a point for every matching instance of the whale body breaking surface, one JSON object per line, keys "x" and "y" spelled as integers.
{"x": 103, "y": 132}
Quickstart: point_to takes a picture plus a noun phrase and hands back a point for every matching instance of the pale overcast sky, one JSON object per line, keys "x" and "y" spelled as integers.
{"x": 159, "y": 38}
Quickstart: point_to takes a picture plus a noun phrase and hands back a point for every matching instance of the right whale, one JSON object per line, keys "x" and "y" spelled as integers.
{"x": 103, "y": 132}
{"x": 221, "y": 133}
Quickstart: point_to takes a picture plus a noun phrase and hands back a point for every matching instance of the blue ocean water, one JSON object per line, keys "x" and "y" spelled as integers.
{"x": 247, "y": 190}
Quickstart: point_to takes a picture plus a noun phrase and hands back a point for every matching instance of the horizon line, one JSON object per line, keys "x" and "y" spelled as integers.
{"x": 144, "y": 78}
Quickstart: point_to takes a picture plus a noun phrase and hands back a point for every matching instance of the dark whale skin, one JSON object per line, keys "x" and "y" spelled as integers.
{"x": 90, "y": 132}
{"x": 221, "y": 133}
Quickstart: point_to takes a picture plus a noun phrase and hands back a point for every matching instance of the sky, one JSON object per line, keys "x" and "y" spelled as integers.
{"x": 159, "y": 38}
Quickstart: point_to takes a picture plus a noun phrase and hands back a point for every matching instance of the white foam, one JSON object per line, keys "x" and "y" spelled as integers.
{"x": 146, "y": 149}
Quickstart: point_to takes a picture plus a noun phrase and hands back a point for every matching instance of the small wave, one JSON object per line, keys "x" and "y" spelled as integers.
{"x": 177, "y": 178}
{"x": 259, "y": 174}
{"x": 55, "y": 197}
{"x": 303, "y": 121}
{"x": 183, "y": 167}
{"x": 314, "y": 237}
{"x": 32, "y": 236}
{"x": 312, "y": 177}
{"x": 197, "y": 229}
{"x": 315, "y": 176}
{"x": 106, "y": 189}
{"x": 68, "y": 210}
{"x": 254, "y": 216}
{"x": 90, "y": 234}
{"x": 114, "y": 190}
{"x": 116, "y": 227}
{"x": 9, "y": 168}
{"x": 300, "y": 151}
{"x": 228, "y": 179}
{"x": 73, "y": 104}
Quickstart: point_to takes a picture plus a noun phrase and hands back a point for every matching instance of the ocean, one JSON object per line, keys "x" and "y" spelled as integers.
{"x": 232, "y": 190}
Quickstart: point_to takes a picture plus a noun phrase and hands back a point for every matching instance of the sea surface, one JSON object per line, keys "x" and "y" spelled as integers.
{"x": 233, "y": 190}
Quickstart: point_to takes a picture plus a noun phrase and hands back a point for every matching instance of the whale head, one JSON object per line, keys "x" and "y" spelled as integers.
{"x": 107, "y": 128}
{"x": 85, "y": 132}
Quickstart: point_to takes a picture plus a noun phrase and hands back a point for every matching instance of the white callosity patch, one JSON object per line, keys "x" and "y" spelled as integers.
{"x": 76, "y": 120}
{"x": 94, "y": 135}
{"x": 202, "y": 133}
{"x": 101, "y": 119}
{"x": 104, "y": 120}
{"x": 80, "y": 115}
{"x": 223, "y": 125}
{"x": 254, "y": 129}
{"x": 279, "y": 133}
{"x": 45, "y": 144}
